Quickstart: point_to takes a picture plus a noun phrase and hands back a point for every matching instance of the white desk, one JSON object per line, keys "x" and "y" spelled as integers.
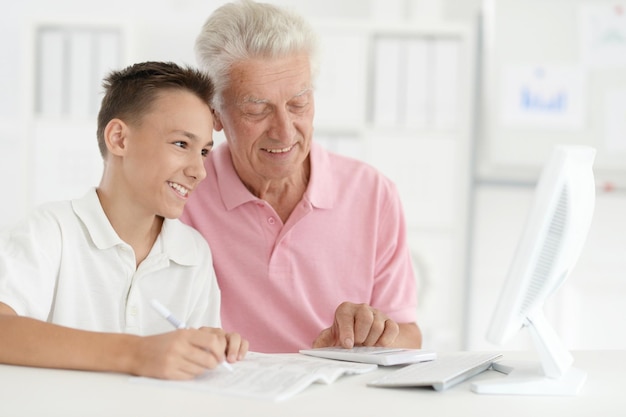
{"x": 42, "y": 392}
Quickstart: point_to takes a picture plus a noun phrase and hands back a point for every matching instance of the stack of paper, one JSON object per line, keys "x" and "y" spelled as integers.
{"x": 274, "y": 377}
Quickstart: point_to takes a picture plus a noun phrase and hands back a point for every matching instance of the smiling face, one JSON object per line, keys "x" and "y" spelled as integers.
{"x": 267, "y": 117}
{"x": 163, "y": 154}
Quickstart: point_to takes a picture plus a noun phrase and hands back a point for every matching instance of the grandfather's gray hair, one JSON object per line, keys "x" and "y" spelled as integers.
{"x": 245, "y": 29}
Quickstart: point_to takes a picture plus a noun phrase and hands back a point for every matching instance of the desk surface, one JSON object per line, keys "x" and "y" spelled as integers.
{"x": 45, "y": 392}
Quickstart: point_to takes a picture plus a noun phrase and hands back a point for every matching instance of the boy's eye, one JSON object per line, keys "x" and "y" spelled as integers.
{"x": 181, "y": 143}
{"x": 205, "y": 152}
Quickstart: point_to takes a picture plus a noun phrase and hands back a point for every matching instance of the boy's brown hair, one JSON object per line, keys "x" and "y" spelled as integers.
{"x": 129, "y": 93}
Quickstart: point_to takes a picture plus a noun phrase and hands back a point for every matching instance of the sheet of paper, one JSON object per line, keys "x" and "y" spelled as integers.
{"x": 274, "y": 377}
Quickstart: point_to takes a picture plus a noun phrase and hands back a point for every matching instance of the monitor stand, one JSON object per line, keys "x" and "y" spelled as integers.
{"x": 553, "y": 374}
{"x": 526, "y": 378}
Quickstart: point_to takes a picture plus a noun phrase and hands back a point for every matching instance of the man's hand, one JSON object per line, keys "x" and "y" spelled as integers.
{"x": 358, "y": 325}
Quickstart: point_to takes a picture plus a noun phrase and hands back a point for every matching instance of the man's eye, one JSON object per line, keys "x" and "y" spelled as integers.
{"x": 205, "y": 152}
{"x": 256, "y": 112}
{"x": 300, "y": 105}
{"x": 181, "y": 144}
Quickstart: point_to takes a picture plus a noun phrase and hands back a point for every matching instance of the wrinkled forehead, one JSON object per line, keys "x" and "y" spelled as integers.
{"x": 261, "y": 78}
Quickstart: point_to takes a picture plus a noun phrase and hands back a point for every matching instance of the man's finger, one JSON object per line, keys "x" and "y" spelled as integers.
{"x": 376, "y": 330}
{"x": 392, "y": 330}
{"x": 364, "y": 317}
{"x": 324, "y": 339}
{"x": 345, "y": 322}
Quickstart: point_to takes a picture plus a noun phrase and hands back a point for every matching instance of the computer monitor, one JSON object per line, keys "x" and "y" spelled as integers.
{"x": 555, "y": 232}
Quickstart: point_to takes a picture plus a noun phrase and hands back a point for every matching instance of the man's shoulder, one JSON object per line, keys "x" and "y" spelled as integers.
{"x": 353, "y": 169}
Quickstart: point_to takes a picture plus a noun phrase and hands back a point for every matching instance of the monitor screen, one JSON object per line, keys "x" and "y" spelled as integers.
{"x": 553, "y": 237}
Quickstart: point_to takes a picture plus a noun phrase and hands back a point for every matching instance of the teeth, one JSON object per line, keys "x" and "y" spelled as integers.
{"x": 178, "y": 188}
{"x": 279, "y": 150}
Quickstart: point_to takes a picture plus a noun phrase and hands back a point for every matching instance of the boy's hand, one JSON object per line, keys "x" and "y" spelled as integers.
{"x": 181, "y": 354}
{"x": 236, "y": 347}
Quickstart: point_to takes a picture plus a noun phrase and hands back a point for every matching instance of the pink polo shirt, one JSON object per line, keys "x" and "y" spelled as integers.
{"x": 281, "y": 283}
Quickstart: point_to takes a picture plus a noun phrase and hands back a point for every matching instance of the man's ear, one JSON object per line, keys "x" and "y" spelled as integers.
{"x": 217, "y": 123}
{"x": 115, "y": 135}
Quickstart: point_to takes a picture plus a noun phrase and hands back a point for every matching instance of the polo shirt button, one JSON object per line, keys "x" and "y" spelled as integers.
{"x": 271, "y": 220}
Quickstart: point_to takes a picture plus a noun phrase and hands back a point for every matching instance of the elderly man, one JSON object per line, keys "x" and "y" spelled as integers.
{"x": 309, "y": 247}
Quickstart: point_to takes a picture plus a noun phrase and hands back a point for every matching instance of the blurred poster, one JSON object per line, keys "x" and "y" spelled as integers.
{"x": 603, "y": 35}
{"x": 549, "y": 97}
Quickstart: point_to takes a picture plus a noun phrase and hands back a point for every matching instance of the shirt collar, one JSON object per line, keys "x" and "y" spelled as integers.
{"x": 90, "y": 212}
{"x": 174, "y": 239}
{"x": 234, "y": 193}
{"x": 319, "y": 192}
{"x": 321, "y": 189}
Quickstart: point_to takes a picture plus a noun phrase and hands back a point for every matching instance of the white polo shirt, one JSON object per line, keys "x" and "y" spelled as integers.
{"x": 65, "y": 264}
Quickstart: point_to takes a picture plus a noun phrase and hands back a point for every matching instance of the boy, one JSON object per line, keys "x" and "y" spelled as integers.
{"x": 77, "y": 277}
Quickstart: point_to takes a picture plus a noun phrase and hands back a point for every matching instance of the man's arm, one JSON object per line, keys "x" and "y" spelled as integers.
{"x": 181, "y": 354}
{"x": 363, "y": 325}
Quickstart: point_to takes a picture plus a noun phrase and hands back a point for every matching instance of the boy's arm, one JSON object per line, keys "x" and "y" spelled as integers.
{"x": 181, "y": 354}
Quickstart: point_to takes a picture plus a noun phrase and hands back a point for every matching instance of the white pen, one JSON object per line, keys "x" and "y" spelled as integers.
{"x": 167, "y": 315}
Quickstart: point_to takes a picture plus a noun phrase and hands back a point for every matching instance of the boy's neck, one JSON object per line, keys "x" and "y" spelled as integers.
{"x": 140, "y": 232}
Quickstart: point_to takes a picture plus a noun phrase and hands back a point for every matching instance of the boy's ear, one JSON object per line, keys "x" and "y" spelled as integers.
{"x": 115, "y": 135}
{"x": 217, "y": 123}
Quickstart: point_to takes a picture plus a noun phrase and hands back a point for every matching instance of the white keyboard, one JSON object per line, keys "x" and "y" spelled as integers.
{"x": 447, "y": 370}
